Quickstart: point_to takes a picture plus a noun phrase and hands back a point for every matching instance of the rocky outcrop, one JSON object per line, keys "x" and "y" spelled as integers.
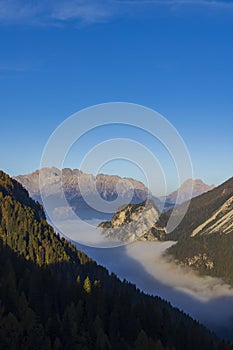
{"x": 199, "y": 261}
{"x": 134, "y": 222}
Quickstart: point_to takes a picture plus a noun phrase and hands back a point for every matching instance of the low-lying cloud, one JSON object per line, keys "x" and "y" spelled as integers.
{"x": 150, "y": 255}
{"x": 206, "y": 299}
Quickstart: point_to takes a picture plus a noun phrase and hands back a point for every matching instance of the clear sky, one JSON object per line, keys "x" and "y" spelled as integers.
{"x": 175, "y": 56}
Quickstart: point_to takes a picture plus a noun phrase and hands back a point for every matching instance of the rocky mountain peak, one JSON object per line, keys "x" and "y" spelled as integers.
{"x": 198, "y": 187}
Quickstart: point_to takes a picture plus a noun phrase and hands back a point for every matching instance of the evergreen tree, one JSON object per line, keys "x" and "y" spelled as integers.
{"x": 87, "y": 285}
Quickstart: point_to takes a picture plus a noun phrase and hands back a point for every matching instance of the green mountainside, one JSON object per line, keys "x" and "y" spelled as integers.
{"x": 205, "y": 236}
{"x": 210, "y": 255}
{"x": 55, "y": 297}
{"x": 201, "y": 209}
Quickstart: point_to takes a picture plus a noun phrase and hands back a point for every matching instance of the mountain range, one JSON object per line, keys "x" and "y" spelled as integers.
{"x": 76, "y": 183}
{"x": 54, "y": 297}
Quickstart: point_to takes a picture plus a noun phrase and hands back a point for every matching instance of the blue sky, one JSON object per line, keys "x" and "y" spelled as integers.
{"x": 175, "y": 56}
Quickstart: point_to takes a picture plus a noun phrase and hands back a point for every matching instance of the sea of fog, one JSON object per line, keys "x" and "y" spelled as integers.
{"x": 206, "y": 299}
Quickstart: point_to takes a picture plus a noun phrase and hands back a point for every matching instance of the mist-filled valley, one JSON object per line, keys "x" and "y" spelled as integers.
{"x": 206, "y": 299}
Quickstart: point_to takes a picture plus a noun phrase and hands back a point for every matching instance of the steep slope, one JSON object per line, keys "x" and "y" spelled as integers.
{"x": 220, "y": 222}
{"x": 24, "y": 228}
{"x": 200, "y": 210}
{"x": 209, "y": 248}
{"x": 205, "y": 236}
{"x": 49, "y": 293}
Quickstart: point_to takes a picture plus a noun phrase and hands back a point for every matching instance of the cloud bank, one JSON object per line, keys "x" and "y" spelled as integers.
{"x": 50, "y": 12}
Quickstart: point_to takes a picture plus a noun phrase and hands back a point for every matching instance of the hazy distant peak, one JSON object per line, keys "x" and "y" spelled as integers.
{"x": 195, "y": 182}
{"x": 197, "y": 186}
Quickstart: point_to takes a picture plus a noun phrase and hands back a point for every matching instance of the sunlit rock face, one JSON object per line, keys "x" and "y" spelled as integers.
{"x": 134, "y": 222}
{"x": 220, "y": 222}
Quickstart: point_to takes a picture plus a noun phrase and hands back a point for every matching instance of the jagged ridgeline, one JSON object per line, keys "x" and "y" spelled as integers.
{"x": 54, "y": 297}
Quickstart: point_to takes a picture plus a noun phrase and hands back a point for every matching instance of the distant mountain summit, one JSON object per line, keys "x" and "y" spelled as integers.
{"x": 198, "y": 188}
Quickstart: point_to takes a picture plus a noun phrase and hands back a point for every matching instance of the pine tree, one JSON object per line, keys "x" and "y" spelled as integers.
{"x": 87, "y": 285}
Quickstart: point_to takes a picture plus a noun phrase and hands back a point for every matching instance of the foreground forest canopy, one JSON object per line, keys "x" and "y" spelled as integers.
{"x": 53, "y": 296}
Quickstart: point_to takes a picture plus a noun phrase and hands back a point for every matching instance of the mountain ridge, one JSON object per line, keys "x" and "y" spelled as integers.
{"x": 73, "y": 177}
{"x": 77, "y": 184}
{"x": 109, "y": 188}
